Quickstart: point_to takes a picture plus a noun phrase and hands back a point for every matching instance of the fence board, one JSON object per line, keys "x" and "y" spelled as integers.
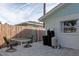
{"x": 12, "y": 31}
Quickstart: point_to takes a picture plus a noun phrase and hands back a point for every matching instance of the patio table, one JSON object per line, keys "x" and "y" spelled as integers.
{"x": 22, "y": 40}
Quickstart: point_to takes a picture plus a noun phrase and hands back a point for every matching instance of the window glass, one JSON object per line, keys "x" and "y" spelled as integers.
{"x": 69, "y": 26}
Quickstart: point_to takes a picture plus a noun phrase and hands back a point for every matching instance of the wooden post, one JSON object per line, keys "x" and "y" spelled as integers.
{"x": 44, "y": 12}
{"x": 44, "y": 8}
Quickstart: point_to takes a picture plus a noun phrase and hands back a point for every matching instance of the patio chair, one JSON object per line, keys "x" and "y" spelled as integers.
{"x": 6, "y": 41}
{"x": 11, "y": 49}
{"x": 29, "y": 43}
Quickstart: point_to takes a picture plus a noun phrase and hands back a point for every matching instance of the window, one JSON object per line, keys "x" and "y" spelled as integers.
{"x": 68, "y": 26}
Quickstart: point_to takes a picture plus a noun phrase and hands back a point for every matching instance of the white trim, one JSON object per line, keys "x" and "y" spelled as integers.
{"x": 69, "y": 17}
{"x": 51, "y": 11}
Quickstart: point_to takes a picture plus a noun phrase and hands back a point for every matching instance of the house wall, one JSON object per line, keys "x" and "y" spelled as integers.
{"x": 68, "y": 12}
{"x": 68, "y": 9}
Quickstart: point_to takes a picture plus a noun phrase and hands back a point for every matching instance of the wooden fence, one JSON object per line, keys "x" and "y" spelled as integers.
{"x": 12, "y": 31}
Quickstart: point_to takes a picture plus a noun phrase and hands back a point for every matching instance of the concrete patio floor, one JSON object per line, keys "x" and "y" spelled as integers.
{"x": 38, "y": 49}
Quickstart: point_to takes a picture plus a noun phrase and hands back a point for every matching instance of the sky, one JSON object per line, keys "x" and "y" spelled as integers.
{"x": 15, "y": 13}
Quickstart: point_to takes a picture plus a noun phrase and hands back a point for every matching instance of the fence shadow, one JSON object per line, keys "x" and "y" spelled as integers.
{"x": 12, "y": 31}
{"x": 36, "y": 35}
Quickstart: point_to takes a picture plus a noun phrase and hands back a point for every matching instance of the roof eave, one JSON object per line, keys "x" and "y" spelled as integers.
{"x": 51, "y": 11}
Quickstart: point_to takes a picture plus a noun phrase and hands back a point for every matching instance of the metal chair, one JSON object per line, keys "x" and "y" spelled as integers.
{"x": 11, "y": 49}
{"x": 29, "y": 43}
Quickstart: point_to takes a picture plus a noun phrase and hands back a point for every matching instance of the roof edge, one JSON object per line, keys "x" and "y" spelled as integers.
{"x": 51, "y": 11}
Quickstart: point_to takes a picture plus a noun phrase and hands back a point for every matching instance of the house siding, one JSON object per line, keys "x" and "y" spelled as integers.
{"x": 68, "y": 12}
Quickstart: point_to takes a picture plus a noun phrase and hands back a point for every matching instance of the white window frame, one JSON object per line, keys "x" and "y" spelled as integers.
{"x": 64, "y": 28}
